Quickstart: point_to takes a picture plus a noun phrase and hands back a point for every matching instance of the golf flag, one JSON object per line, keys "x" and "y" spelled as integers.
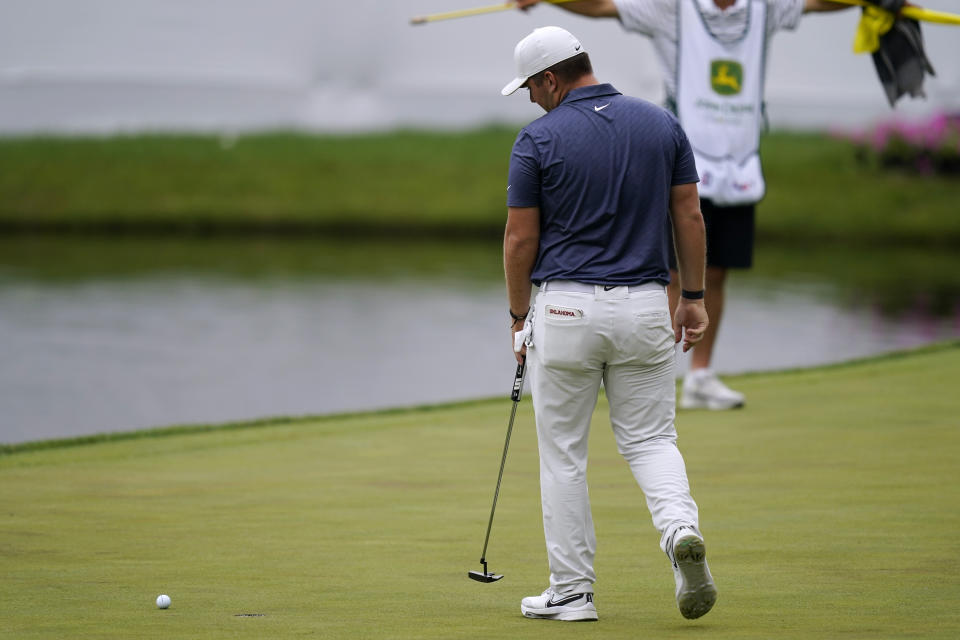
{"x": 896, "y": 44}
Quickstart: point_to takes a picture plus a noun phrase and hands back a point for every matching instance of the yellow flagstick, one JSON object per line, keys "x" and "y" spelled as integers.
{"x": 916, "y": 13}
{"x": 464, "y": 13}
{"x": 929, "y": 15}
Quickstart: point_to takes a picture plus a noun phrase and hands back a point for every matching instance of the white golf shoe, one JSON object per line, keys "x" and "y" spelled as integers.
{"x": 703, "y": 390}
{"x": 696, "y": 593}
{"x": 572, "y": 607}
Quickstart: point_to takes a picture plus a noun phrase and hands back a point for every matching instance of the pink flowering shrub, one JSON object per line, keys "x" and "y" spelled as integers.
{"x": 928, "y": 147}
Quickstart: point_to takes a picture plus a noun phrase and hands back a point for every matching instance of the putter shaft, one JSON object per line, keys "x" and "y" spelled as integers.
{"x": 515, "y": 395}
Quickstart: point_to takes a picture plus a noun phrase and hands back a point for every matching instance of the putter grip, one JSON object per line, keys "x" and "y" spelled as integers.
{"x": 518, "y": 381}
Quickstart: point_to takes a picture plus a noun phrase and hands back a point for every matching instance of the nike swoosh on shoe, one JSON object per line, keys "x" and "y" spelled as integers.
{"x": 564, "y": 601}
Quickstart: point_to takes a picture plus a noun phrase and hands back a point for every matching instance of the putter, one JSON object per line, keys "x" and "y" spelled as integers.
{"x": 485, "y": 575}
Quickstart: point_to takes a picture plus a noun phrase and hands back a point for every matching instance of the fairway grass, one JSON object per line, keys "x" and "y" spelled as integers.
{"x": 830, "y": 506}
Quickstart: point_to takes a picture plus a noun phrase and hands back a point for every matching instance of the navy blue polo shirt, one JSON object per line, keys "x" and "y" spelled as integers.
{"x": 600, "y": 167}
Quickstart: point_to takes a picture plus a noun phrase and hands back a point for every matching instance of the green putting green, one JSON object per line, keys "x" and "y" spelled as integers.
{"x": 830, "y": 506}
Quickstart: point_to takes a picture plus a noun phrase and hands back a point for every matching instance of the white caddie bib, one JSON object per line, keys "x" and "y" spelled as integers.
{"x": 720, "y": 101}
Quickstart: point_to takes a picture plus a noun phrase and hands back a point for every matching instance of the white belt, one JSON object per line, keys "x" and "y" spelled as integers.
{"x": 582, "y": 287}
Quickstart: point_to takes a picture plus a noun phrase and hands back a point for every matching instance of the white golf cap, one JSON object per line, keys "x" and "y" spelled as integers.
{"x": 541, "y": 50}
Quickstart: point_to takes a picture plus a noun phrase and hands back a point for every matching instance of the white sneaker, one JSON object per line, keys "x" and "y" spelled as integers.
{"x": 703, "y": 390}
{"x": 552, "y": 606}
{"x": 696, "y": 593}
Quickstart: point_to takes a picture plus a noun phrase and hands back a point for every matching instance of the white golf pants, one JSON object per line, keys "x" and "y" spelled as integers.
{"x": 584, "y": 335}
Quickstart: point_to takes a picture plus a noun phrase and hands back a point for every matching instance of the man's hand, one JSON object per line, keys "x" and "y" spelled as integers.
{"x": 519, "y": 355}
{"x": 689, "y": 322}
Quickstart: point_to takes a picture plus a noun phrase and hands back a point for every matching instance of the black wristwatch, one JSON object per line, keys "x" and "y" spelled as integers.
{"x": 691, "y": 295}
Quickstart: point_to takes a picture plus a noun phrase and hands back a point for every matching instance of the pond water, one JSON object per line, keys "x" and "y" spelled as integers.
{"x": 102, "y": 336}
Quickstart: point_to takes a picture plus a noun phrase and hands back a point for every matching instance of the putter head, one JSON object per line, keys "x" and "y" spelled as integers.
{"x": 480, "y": 576}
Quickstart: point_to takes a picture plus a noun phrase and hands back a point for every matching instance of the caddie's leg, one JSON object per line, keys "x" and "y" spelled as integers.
{"x": 565, "y": 382}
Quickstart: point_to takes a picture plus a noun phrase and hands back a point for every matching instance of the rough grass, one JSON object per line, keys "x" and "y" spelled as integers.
{"x": 412, "y": 183}
{"x": 403, "y": 182}
{"x": 830, "y": 504}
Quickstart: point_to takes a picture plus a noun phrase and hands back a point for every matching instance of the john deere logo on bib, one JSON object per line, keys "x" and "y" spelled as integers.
{"x": 726, "y": 77}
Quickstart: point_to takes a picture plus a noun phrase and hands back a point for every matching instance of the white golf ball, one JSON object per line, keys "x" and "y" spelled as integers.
{"x": 163, "y": 601}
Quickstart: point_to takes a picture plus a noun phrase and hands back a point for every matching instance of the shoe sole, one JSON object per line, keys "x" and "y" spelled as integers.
{"x": 583, "y": 615}
{"x": 699, "y": 593}
{"x": 707, "y": 404}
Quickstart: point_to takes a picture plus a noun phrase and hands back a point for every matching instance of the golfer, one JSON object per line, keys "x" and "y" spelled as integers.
{"x": 594, "y": 186}
{"x": 712, "y": 54}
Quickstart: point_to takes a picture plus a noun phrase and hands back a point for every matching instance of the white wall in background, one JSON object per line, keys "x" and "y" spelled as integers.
{"x": 106, "y": 66}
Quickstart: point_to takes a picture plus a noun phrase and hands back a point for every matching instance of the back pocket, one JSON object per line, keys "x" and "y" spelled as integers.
{"x": 562, "y": 336}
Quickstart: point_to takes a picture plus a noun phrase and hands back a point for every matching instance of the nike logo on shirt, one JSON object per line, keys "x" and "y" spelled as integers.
{"x": 596, "y": 108}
